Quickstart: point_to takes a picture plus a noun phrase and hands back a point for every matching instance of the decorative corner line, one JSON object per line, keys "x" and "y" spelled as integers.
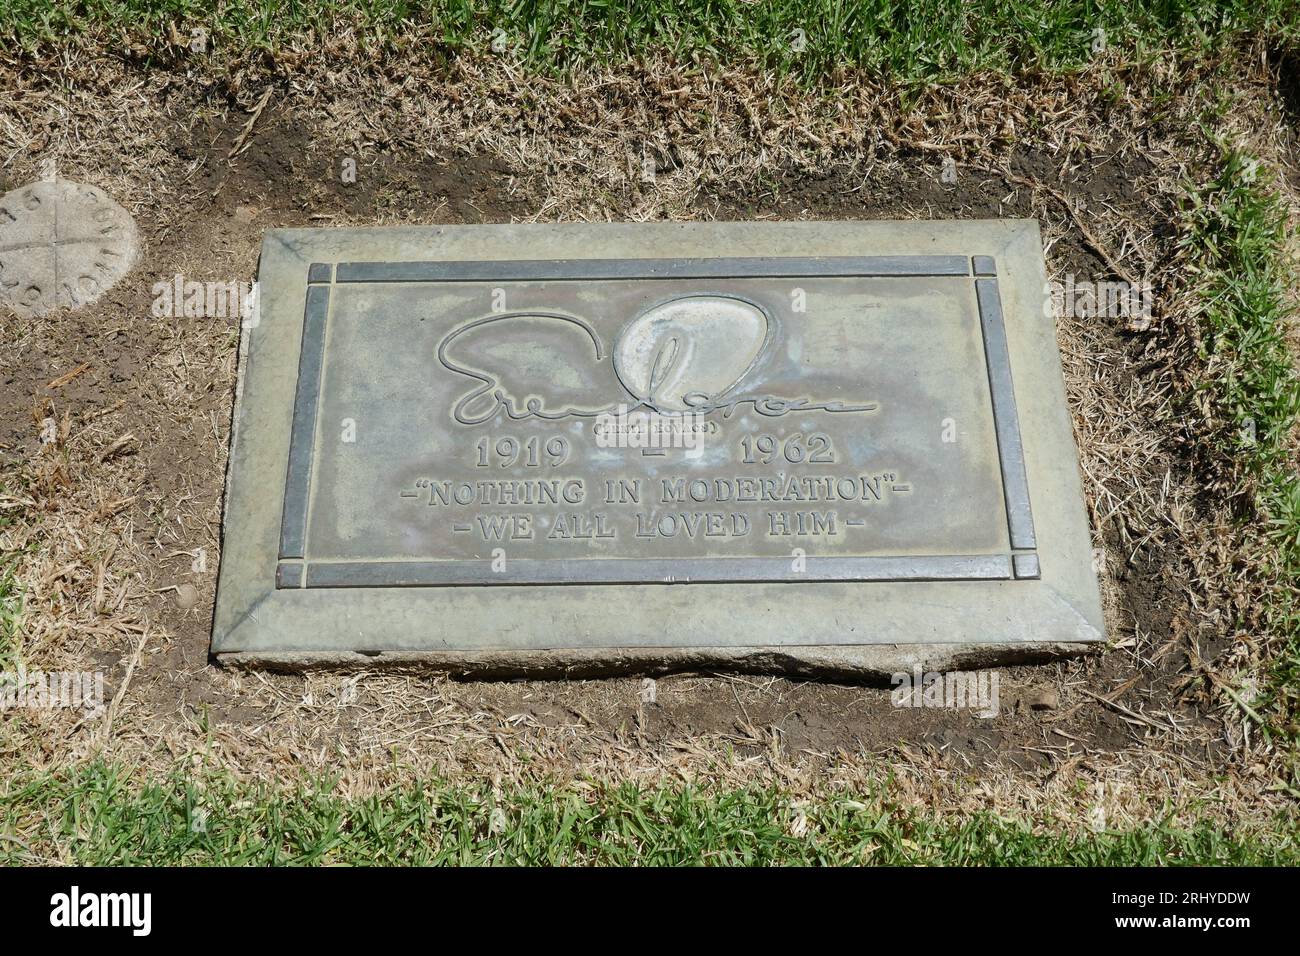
{"x": 597, "y": 571}
{"x": 320, "y": 272}
{"x": 1006, "y": 419}
{"x": 984, "y": 265}
{"x": 293, "y": 524}
{"x": 735, "y": 267}
{"x": 289, "y": 574}
{"x": 1026, "y": 566}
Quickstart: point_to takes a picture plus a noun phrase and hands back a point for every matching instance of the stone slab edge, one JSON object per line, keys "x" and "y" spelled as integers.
{"x": 863, "y": 662}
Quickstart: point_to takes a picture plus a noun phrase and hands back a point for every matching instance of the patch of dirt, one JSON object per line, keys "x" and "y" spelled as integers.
{"x": 283, "y": 170}
{"x": 121, "y": 530}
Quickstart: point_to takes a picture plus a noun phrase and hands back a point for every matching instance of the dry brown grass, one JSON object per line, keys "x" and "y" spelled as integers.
{"x": 104, "y": 541}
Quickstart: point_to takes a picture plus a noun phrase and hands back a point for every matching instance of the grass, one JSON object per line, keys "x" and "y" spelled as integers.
{"x": 908, "y": 39}
{"x": 11, "y": 606}
{"x": 95, "y": 816}
{"x": 1236, "y": 236}
{"x": 1237, "y": 242}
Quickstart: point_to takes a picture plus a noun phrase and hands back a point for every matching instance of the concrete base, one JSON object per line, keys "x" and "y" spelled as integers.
{"x": 1000, "y": 595}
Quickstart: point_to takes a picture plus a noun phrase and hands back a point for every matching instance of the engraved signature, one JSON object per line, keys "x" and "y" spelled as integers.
{"x": 660, "y": 360}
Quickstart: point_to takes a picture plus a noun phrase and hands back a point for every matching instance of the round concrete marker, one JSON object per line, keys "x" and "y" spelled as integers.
{"x": 62, "y": 245}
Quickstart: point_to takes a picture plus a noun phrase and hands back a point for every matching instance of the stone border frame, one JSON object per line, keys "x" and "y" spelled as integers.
{"x": 806, "y": 627}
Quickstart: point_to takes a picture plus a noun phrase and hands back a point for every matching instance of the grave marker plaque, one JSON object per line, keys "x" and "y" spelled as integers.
{"x": 825, "y": 445}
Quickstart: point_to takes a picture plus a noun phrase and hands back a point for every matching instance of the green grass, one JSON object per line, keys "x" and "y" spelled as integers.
{"x": 910, "y": 39}
{"x": 11, "y": 606}
{"x": 93, "y": 816}
{"x": 1237, "y": 240}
